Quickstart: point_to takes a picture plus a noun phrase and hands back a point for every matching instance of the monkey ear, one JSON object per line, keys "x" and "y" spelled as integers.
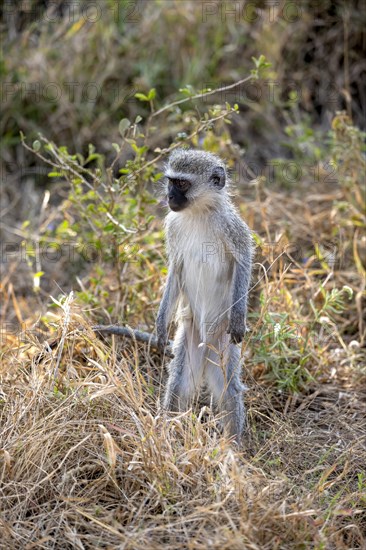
{"x": 218, "y": 177}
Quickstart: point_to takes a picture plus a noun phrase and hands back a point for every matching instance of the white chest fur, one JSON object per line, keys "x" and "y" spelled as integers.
{"x": 206, "y": 270}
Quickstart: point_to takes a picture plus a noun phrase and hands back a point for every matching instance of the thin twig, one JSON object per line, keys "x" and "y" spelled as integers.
{"x": 202, "y": 95}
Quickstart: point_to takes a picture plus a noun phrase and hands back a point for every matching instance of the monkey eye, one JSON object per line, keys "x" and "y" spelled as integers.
{"x": 181, "y": 184}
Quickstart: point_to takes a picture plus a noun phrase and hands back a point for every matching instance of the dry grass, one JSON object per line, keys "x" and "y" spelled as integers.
{"x": 89, "y": 460}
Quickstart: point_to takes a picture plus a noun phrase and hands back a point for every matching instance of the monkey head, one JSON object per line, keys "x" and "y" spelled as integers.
{"x": 194, "y": 179}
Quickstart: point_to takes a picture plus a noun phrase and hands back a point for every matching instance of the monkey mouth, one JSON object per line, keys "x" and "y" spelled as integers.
{"x": 177, "y": 207}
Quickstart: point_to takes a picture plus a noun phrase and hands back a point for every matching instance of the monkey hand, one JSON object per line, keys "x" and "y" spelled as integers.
{"x": 237, "y": 333}
{"x": 162, "y": 340}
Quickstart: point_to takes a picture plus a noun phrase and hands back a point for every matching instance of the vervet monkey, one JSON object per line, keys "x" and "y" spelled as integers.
{"x": 209, "y": 252}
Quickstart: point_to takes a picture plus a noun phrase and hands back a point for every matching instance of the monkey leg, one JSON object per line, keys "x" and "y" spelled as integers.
{"x": 222, "y": 376}
{"x": 186, "y": 369}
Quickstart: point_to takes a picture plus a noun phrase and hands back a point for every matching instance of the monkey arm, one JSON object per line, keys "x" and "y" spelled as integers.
{"x": 241, "y": 245}
{"x": 238, "y": 311}
{"x": 167, "y": 306}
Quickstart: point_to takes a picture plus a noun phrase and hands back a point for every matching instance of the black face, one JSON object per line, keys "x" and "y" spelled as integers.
{"x": 177, "y": 189}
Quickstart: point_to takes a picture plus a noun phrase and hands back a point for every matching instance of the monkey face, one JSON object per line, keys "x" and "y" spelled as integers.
{"x": 194, "y": 180}
{"x": 177, "y": 190}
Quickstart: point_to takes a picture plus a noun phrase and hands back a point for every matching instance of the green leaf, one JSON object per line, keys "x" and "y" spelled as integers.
{"x": 141, "y": 97}
{"x": 109, "y": 227}
{"x": 36, "y": 145}
{"x": 151, "y": 94}
{"x": 123, "y": 126}
{"x": 54, "y": 174}
{"x": 91, "y": 157}
{"x": 158, "y": 176}
{"x": 139, "y": 150}
{"x": 261, "y": 63}
{"x": 188, "y": 90}
{"x": 205, "y": 90}
{"x": 348, "y": 290}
